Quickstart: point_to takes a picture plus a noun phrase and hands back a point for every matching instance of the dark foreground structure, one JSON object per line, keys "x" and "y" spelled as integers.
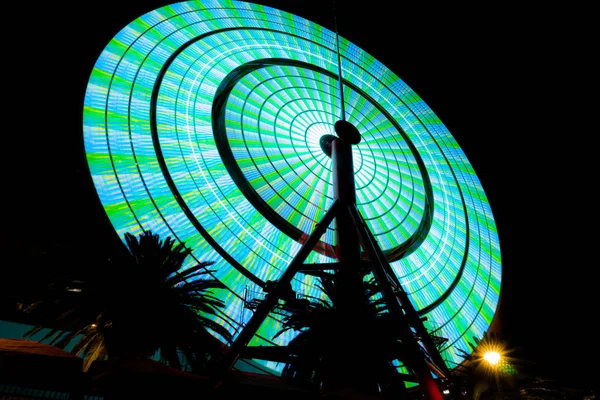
{"x": 32, "y": 370}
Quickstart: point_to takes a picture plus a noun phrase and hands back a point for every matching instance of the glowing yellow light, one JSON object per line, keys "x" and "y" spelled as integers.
{"x": 493, "y": 357}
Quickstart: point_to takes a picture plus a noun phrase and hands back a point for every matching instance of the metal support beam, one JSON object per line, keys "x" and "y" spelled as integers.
{"x": 413, "y": 317}
{"x": 415, "y": 360}
{"x": 351, "y": 232}
{"x": 347, "y": 247}
{"x": 269, "y": 353}
{"x": 265, "y": 307}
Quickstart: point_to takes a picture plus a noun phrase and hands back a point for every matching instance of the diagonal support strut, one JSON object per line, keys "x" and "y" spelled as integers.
{"x": 266, "y": 306}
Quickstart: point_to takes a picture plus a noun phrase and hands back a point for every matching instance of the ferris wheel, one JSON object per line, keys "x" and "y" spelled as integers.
{"x": 204, "y": 121}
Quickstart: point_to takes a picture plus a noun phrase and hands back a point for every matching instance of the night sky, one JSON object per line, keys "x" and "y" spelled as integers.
{"x": 509, "y": 82}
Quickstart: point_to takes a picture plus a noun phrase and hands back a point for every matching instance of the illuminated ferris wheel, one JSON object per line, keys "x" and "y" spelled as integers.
{"x": 204, "y": 120}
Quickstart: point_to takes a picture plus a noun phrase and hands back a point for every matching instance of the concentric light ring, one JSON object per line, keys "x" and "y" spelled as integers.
{"x": 158, "y": 125}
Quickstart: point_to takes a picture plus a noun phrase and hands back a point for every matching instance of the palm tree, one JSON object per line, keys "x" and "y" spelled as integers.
{"x": 335, "y": 351}
{"x": 140, "y": 305}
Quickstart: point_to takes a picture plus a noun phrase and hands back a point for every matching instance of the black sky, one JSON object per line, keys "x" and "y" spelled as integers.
{"x": 509, "y": 83}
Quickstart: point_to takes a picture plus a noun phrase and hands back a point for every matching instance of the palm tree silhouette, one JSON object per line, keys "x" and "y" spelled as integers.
{"x": 334, "y": 350}
{"x": 138, "y": 306}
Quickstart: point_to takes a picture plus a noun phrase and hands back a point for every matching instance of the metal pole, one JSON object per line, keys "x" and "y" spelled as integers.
{"x": 347, "y": 244}
{"x": 339, "y": 59}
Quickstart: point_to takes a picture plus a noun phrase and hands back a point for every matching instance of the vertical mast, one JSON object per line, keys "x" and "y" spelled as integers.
{"x": 339, "y": 59}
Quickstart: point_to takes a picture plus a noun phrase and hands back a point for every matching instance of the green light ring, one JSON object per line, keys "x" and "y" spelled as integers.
{"x": 235, "y": 172}
{"x": 112, "y": 162}
{"x": 358, "y": 154}
{"x": 245, "y": 150}
{"x": 358, "y": 162}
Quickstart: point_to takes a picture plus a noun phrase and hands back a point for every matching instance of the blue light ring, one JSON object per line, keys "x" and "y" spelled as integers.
{"x": 238, "y": 174}
{"x": 494, "y": 241}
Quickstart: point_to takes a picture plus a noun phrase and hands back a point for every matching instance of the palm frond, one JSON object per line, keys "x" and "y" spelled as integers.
{"x": 52, "y": 333}
{"x": 33, "y": 331}
{"x": 94, "y": 350}
{"x": 201, "y": 285}
{"x": 81, "y": 346}
{"x": 66, "y": 339}
{"x": 111, "y": 315}
{"x": 190, "y": 273}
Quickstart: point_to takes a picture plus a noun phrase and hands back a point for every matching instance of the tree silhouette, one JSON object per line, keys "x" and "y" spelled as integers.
{"x": 335, "y": 350}
{"x": 139, "y": 305}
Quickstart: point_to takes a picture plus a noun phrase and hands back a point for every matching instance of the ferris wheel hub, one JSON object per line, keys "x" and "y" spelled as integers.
{"x": 347, "y": 132}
